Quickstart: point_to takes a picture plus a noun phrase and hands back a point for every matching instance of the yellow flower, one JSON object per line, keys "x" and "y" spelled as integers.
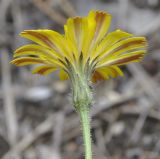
{"x": 86, "y": 47}
{"x": 85, "y": 52}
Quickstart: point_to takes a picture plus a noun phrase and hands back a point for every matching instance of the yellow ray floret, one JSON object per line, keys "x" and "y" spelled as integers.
{"x": 85, "y": 47}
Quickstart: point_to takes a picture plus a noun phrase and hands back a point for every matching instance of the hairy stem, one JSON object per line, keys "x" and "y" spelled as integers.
{"x": 84, "y": 115}
{"x": 82, "y": 100}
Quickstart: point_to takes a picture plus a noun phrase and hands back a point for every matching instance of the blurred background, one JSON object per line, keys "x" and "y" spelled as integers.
{"x": 37, "y": 120}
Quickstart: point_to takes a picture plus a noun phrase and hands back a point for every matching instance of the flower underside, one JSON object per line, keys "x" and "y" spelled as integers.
{"x": 85, "y": 48}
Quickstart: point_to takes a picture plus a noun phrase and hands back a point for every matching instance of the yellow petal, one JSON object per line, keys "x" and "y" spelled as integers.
{"x": 108, "y": 42}
{"x": 124, "y": 59}
{"x": 103, "y": 21}
{"x": 22, "y": 61}
{"x": 124, "y": 46}
{"x": 33, "y": 49}
{"x": 97, "y": 76}
{"x": 79, "y": 33}
{"x": 40, "y": 37}
{"x": 44, "y": 70}
{"x": 85, "y": 32}
{"x": 43, "y": 53}
{"x": 89, "y": 31}
{"x": 104, "y": 73}
{"x": 115, "y": 71}
{"x": 63, "y": 75}
{"x": 49, "y": 39}
{"x": 74, "y": 33}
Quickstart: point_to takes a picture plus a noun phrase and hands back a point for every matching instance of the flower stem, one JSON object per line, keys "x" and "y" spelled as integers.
{"x": 82, "y": 100}
{"x": 84, "y": 115}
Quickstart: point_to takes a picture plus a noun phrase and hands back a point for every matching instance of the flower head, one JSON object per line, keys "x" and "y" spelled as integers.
{"x": 85, "y": 52}
{"x": 86, "y": 47}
